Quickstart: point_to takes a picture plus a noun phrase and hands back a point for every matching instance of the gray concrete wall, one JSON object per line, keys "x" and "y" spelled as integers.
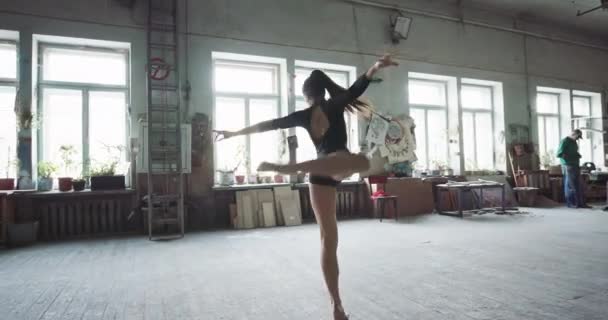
{"x": 333, "y": 31}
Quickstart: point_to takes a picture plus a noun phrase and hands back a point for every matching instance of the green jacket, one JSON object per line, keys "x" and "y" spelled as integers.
{"x": 568, "y": 152}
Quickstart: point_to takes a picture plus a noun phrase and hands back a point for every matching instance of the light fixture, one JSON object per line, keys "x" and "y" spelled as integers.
{"x": 400, "y": 27}
{"x": 603, "y": 5}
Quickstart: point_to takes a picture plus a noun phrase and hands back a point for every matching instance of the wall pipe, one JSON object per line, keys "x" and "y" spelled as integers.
{"x": 473, "y": 23}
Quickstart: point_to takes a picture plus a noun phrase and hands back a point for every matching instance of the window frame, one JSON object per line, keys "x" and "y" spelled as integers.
{"x": 350, "y": 73}
{"x": 247, "y": 97}
{"x": 431, "y": 107}
{"x": 588, "y": 116}
{"x": 14, "y": 83}
{"x": 474, "y": 112}
{"x": 85, "y": 89}
{"x": 545, "y": 115}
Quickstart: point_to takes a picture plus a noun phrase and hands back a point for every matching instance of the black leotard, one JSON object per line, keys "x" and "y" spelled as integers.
{"x": 335, "y": 138}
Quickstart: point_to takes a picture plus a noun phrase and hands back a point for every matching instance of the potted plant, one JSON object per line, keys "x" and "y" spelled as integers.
{"x": 46, "y": 169}
{"x": 67, "y": 153}
{"x": 546, "y": 160}
{"x": 226, "y": 173}
{"x": 106, "y": 175}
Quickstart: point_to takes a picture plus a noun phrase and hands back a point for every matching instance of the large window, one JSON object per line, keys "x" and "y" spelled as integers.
{"x": 81, "y": 92}
{"x": 581, "y": 108}
{"x": 245, "y": 93}
{"x": 8, "y": 121}
{"x": 428, "y": 107}
{"x": 477, "y": 127}
{"x": 341, "y": 76}
{"x": 548, "y": 111}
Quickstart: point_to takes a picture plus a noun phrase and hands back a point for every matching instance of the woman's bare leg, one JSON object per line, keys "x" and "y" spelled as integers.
{"x": 323, "y": 199}
{"x": 337, "y": 164}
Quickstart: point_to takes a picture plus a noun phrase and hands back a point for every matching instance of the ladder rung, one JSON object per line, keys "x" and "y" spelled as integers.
{"x": 166, "y": 220}
{"x": 162, "y": 27}
{"x": 163, "y": 87}
{"x": 163, "y": 129}
{"x": 167, "y": 237}
{"x": 163, "y": 45}
{"x": 164, "y": 108}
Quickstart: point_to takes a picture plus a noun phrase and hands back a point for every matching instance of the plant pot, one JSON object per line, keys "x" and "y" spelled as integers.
{"x": 78, "y": 185}
{"x": 45, "y": 184}
{"x": 20, "y": 234}
{"x": 278, "y": 178}
{"x": 225, "y": 178}
{"x": 107, "y": 183}
{"x": 7, "y": 184}
{"x": 240, "y": 179}
{"x": 65, "y": 184}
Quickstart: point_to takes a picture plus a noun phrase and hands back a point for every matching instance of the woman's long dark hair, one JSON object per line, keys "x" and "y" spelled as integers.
{"x": 316, "y": 84}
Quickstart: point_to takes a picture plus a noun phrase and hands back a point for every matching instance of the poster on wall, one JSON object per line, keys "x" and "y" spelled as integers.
{"x": 377, "y": 130}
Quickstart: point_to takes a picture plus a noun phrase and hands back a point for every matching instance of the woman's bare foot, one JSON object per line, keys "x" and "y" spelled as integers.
{"x": 339, "y": 313}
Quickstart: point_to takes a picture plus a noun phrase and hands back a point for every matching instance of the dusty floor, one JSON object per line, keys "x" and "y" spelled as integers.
{"x": 549, "y": 264}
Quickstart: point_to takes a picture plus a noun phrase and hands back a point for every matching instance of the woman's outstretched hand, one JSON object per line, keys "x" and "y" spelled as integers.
{"x": 223, "y": 135}
{"x": 384, "y": 62}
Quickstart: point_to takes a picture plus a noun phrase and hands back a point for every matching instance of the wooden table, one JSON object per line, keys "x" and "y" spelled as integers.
{"x": 461, "y": 187}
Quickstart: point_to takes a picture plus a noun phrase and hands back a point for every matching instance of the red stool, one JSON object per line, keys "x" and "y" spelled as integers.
{"x": 380, "y": 198}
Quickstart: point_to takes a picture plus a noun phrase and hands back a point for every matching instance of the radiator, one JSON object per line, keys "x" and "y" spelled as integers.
{"x": 345, "y": 204}
{"x": 66, "y": 219}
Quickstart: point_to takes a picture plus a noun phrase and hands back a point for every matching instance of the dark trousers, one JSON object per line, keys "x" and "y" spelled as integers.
{"x": 573, "y": 187}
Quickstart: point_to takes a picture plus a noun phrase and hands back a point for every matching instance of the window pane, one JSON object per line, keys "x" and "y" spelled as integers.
{"x": 301, "y": 75}
{"x": 468, "y": 136}
{"x": 437, "y": 139}
{"x": 485, "y": 141}
{"x": 475, "y": 97}
{"x": 264, "y": 145}
{"x": 62, "y": 126}
{"x": 339, "y": 77}
{"x": 245, "y": 78}
{"x": 547, "y": 103}
{"x": 230, "y": 115}
{"x": 105, "y": 108}
{"x": 427, "y": 92}
{"x": 542, "y": 137}
{"x": 581, "y": 106}
{"x": 8, "y": 61}
{"x": 585, "y": 149}
{"x": 421, "y": 141}
{"x": 553, "y": 138}
{"x": 306, "y": 149}
{"x": 85, "y": 66}
{"x": 8, "y": 132}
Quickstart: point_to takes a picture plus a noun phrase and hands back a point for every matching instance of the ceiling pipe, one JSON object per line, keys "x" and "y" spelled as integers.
{"x": 473, "y": 23}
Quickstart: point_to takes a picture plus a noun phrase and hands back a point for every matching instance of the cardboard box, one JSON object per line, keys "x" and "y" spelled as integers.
{"x": 415, "y": 197}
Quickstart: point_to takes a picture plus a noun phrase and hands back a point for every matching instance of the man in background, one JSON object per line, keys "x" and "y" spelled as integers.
{"x": 570, "y": 160}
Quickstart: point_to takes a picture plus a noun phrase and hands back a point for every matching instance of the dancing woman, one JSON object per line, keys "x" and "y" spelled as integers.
{"x": 324, "y": 121}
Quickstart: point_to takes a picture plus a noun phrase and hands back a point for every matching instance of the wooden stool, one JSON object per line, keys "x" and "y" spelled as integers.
{"x": 380, "y": 201}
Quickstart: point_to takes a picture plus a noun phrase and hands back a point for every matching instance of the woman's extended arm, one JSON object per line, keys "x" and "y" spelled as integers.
{"x": 357, "y": 88}
{"x": 292, "y": 120}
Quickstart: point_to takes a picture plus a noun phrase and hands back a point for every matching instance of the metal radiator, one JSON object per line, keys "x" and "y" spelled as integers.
{"x": 66, "y": 219}
{"x": 345, "y": 204}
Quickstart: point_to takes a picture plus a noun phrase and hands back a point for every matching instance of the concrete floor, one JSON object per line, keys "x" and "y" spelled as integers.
{"x": 549, "y": 264}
